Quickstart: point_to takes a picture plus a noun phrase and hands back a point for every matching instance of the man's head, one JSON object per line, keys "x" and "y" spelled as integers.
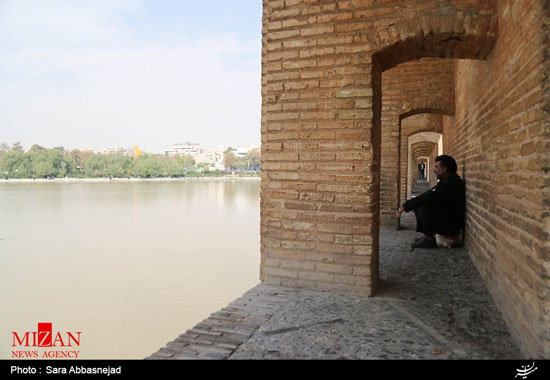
{"x": 444, "y": 165}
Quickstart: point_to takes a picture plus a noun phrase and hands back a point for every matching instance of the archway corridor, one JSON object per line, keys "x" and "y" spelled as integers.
{"x": 350, "y": 92}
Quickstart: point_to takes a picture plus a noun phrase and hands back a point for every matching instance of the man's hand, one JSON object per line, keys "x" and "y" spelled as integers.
{"x": 400, "y": 211}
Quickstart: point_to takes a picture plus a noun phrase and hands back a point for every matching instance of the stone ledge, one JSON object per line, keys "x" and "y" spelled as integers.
{"x": 219, "y": 335}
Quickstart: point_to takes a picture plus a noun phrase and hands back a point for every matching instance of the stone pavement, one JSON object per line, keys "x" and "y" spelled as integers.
{"x": 430, "y": 304}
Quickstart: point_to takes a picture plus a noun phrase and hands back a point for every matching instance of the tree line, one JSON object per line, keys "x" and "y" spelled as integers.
{"x": 40, "y": 162}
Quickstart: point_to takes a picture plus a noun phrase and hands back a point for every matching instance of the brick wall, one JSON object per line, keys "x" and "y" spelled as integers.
{"x": 500, "y": 138}
{"x": 322, "y": 64}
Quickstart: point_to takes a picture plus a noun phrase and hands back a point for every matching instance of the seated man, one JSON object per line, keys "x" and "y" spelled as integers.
{"x": 441, "y": 209}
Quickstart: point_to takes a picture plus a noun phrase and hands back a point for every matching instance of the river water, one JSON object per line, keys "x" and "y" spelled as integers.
{"x": 130, "y": 265}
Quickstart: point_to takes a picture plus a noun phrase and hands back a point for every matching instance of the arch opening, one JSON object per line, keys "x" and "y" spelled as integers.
{"x": 434, "y": 44}
{"x": 427, "y": 144}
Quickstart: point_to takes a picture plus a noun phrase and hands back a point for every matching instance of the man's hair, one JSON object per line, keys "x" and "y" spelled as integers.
{"x": 448, "y": 162}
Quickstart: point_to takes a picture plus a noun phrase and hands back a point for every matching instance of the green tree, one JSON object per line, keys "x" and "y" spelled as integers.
{"x": 36, "y": 148}
{"x": 17, "y": 146}
{"x": 172, "y": 167}
{"x": 70, "y": 165}
{"x": 96, "y": 166}
{"x": 10, "y": 163}
{"x": 80, "y": 157}
{"x": 48, "y": 163}
{"x": 41, "y": 165}
{"x": 24, "y": 169}
{"x": 118, "y": 165}
{"x": 4, "y": 148}
{"x": 187, "y": 161}
{"x": 148, "y": 166}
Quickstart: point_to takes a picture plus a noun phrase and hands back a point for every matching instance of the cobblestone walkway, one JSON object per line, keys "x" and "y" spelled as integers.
{"x": 430, "y": 304}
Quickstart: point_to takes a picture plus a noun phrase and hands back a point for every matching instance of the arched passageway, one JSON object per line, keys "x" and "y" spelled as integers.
{"x": 424, "y": 86}
{"x": 414, "y": 47}
{"x": 425, "y": 144}
{"x": 321, "y": 129}
{"x": 427, "y": 162}
{"x": 326, "y": 183}
{"x": 414, "y": 127}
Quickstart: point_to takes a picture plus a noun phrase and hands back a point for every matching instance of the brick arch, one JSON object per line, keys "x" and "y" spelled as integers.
{"x": 403, "y": 187}
{"x": 432, "y": 138}
{"x": 421, "y": 86}
{"x": 422, "y": 148}
{"x": 424, "y": 151}
{"x": 424, "y": 154}
{"x": 444, "y": 32}
{"x": 429, "y": 107}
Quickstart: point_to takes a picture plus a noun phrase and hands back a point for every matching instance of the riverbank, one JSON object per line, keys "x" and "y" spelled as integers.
{"x": 98, "y": 180}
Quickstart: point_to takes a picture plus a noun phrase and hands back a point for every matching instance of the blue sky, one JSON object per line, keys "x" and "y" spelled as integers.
{"x": 89, "y": 74}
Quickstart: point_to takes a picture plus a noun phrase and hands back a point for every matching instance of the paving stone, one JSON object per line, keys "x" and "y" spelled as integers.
{"x": 201, "y": 331}
{"x": 228, "y": 346}
{"x": 161, "y": 355}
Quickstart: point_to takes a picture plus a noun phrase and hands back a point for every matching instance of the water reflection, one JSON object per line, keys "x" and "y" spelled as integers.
{"x": 130, "y": 264}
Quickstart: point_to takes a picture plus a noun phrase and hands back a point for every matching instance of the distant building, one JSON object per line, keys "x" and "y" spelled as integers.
{"x": 241, "y": 151}
{"x": 213, "y": 159}
{"x": 183, "y": 149}
{"x": 207, "y": 158}
{"x": 111, "y": 150}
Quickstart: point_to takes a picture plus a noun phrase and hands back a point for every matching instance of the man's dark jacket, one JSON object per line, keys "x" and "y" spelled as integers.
{"x": 448, "y": 197}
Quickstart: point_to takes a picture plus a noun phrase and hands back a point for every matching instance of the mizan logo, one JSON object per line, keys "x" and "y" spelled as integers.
{"x": 45, "y": 337}
{"x": 526, "y": 370}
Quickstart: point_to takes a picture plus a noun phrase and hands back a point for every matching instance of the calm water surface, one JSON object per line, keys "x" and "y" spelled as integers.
{"x": 129, "y": 264}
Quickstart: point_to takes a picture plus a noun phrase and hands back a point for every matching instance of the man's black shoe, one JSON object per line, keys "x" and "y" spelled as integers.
{"x": 424, "y": 243}
{"x": 416, "y": 240}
